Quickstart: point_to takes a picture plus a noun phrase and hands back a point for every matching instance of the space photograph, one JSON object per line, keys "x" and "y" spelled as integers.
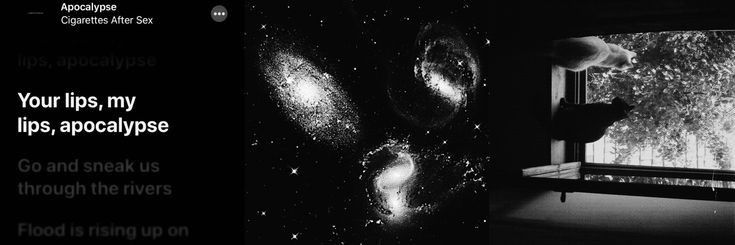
{"x": 366, "y": 122}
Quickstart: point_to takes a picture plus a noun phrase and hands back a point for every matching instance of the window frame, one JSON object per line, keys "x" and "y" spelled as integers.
{"x": 576, "y": 91}
{"x": 604, "y": 19}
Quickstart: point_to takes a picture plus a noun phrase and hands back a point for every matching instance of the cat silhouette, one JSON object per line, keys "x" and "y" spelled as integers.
{"x": 584, "y": 123}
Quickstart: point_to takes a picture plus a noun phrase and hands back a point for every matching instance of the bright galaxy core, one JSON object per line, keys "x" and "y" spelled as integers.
{"x": 390, "y": 182}
{"x": 310, "y": 97}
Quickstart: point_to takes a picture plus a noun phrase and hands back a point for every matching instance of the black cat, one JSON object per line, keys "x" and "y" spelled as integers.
{"x": 586, "y": 123}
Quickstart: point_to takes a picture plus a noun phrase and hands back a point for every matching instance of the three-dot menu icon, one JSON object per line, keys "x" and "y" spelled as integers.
{"x": 218, "y": 13}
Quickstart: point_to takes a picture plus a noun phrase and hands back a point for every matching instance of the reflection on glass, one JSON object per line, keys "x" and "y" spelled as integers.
{"x": 660, "y": 181}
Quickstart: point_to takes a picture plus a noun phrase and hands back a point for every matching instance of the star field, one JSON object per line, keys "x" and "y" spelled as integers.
{"x": 330, "y": 160}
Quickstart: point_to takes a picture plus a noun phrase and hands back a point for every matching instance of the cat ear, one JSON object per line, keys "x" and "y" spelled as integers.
{"x": 617, "y": 100}
{"x": 629, "y": 63}
{"x": 562, "y": 103}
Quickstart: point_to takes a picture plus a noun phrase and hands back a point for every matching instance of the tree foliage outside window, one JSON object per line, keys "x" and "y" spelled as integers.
{"x": 683, "y": 83}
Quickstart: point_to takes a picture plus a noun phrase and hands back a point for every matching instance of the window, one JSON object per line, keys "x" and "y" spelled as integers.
{"x": 683, "y": 86}
{"x": 678, "y": 142}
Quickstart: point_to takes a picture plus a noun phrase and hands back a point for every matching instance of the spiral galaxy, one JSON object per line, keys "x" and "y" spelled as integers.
{"x": 404, "y": 183}
{"x": 444, "y": 77}
{"x": 309, "y": 96}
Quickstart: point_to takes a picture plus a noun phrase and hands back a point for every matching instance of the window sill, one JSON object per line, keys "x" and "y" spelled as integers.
{"x": 715, "y": 185}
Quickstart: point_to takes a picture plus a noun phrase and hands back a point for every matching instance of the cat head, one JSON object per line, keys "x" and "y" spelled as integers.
{"x": 621, "y": 108}
{"x": 624, "y": 57}
{"x": 628, "y": 63}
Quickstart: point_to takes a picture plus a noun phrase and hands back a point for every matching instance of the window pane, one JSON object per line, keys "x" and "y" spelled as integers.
{"x": 683, "y": 87}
